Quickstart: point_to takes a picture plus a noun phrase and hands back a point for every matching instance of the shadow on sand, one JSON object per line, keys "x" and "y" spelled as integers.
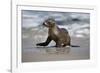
{"x": 55, "y": 50}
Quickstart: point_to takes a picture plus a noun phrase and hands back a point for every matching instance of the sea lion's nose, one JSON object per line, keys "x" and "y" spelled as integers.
{"x": 45, "y": 23}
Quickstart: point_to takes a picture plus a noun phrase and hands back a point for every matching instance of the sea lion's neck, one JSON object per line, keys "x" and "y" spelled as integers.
{"x": 54, "y": 30}
{"x": 54, "y": 27}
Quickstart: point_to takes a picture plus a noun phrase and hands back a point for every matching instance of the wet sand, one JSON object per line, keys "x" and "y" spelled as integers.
{"x": 32, "y": 53}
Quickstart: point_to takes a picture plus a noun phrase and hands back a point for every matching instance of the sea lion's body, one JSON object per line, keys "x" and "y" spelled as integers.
{"x": 59, "y": 35}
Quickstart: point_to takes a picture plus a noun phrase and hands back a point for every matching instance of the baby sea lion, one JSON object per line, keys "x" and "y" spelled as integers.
{"x": 59, "y": 35}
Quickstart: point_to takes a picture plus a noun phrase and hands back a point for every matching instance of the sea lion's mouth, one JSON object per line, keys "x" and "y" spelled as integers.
{"x": 45, "y": 24}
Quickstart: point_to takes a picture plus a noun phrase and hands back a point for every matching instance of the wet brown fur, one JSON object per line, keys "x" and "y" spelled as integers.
{"x": 59, "y": 35}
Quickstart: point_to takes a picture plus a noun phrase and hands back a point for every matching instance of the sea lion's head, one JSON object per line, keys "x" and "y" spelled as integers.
{"x": 49, "y": 23}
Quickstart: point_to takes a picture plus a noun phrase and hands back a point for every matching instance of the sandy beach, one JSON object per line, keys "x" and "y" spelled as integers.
{"x": 33, "y": 53}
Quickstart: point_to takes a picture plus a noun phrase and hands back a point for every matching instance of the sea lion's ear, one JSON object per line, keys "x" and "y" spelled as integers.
{"x": 52, "y": 21}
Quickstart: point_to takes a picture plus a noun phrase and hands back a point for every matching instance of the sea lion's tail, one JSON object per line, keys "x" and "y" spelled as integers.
{"x": 74, "y": 46}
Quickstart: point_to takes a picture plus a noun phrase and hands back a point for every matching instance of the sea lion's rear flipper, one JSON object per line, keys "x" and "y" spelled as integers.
{"x": 74, "y": 46}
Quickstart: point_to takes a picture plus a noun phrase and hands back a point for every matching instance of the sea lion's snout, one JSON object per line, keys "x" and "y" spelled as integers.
{"x": 49, "y": 23}
{"x": 44, "y": 23}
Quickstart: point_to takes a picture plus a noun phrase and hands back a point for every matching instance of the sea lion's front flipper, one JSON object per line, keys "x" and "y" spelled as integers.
{"x": 44, "y": 43}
